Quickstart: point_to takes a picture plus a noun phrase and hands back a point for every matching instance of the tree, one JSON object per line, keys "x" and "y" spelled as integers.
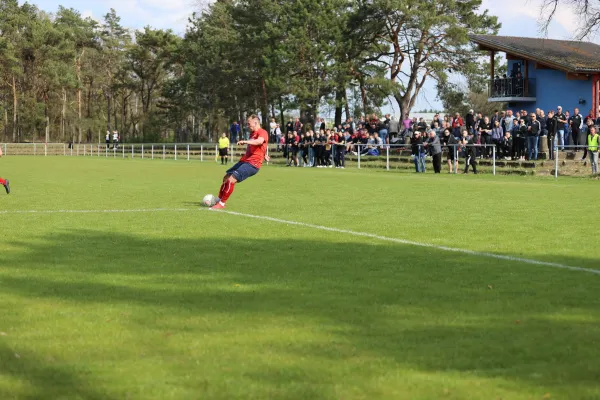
{"x": 421, "y": 40}
{"x": 588, "y": 12}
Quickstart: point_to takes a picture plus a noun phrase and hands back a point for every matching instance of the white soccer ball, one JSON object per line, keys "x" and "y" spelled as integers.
{"x": 209, "y": 200}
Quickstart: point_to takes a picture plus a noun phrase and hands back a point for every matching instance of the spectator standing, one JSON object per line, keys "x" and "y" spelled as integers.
{"x": 592, "y": 147}
{"x": 418, "y": 152}
{"x": 485, "y": 130}
{"x": 435, "y": 149}
{"x": 451, "y": 143}
{"x": 394, "y": 128}
{"x": 497, "y": 135}
{"x": 340, "y": 151}
{"x": 107, "y": 138}
{"x": 115, "y": 139}
{"x": 470, "y": 121}
{"x": 234, "y": 131}
{"x": 561, "y": 122}
{"x": 551, "y": 126}
{"x": 533, "y": 133}
{"x": 278, "y": 136}
{"x": 576, "y": 126}
{"x": 470, "y": 153}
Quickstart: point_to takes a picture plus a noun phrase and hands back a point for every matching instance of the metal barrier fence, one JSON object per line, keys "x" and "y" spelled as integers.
{"x": 564, "y": 161}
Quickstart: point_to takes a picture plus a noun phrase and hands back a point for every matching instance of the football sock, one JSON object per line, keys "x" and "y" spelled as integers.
{"x": 222, "y": 189}
{"x": 2, "y": 182}
{"x": 227, "y": 190}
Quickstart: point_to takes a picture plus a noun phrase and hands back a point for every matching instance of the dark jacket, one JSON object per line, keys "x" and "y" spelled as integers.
{"x": 535, "y": 126}
{"x": 551, "y": 124}
{"x": 416, "y": 146}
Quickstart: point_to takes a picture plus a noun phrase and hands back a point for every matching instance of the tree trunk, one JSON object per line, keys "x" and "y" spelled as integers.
{"x": 63, "y": 113}
{"x": 265, "y": 105}
{"x": 79, "y": 97}
{"x": 339, "y": 97}
{"x": 6, "y": 124}
{"x": 108, "y": 112}
{"x": 346, "y": 105}
{"x": 363, "y": 96}
{"x": 282, "y": 117}
{"x": 15, "y": 103}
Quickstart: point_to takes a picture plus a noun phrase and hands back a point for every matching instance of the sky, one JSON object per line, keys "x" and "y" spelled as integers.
{"x": 518, "y": 18}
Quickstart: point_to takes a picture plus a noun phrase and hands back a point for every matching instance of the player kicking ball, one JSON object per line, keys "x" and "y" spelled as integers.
{"x": 248, "y": 165}
{"x": 6, "y": 184}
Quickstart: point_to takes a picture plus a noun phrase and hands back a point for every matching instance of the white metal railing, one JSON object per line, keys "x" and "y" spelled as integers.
{"x": 209, "y": 152}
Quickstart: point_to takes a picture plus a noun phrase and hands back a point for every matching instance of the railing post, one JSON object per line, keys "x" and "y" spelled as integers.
{"x": 64, "y": 149}
{"x": 556, "y": 161}
{"x": 201, "y": 153}
{"x": 163, "y": 151}
{"x": 358, "y": 156}
{"x": 142, "y": 151}
{"x": 98, "y": 150}
{"x": 34, "y": 148}
{"x": 152, "y": 152}
{"x": 175, "y": 152}
{"x": 5, "y": 149}
{"x": 216, "y": 153}
{"x": 71, "y": 149}
{"x": 494, "y": 158}
{"x": 132, "y": 152}
{"x": 45, "y": 149}
{"x": 123, "y": 151}
{"x": 188, "y": 152}
{"x": 106, "y": 152}
{"x": 387, "y": 157}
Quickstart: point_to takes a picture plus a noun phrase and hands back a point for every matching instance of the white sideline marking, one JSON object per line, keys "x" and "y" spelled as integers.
{"x": 141, "y": 210}
{"x": 419, "y": 244}
{"x": 319, "y": 227}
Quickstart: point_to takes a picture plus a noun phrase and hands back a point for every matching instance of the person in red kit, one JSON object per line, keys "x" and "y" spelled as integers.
{"x": 4, "y": 182}
{"x": 248, "y": 165}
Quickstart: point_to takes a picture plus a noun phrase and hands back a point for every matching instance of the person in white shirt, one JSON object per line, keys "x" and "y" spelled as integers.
{"x": 115, "y": 138}
{"x": 107, "y": 139}
{"x": 272, "y": 128}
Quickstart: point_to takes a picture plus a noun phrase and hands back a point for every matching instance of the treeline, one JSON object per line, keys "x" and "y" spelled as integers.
{"x": 68, "y": 78}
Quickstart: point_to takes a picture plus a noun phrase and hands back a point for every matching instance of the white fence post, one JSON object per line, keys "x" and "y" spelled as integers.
{"x": 123, "y": 148}
{"x": 188, "y": 152}
{"x": 494, "y": 158}
{"x": 387, "y": 157}
{"x": 64, "y": 149}
{"x": 163, "y": 151}
{"x": 175, "y": 152}
{"x": 152, "y": 152}
{"x": 359, "y": 156}
{"x": 132, "y": 152}
{"x": 556, "y": 161}
{"x": 142, "y": 151}
{"x": 201, "y": 153}
{"x": 34, "y": 148}
{"x": 45, "y": 149}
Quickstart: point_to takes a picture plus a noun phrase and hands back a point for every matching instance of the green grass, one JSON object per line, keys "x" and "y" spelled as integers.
{"x": 204, "y": 305}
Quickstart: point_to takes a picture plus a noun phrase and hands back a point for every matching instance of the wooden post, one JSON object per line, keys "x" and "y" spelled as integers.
{"x": 595, "y": 93}
{"x": 526, "y": 79}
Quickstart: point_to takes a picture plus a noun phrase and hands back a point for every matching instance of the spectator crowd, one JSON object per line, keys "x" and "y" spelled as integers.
{"x": 509, "y": 135}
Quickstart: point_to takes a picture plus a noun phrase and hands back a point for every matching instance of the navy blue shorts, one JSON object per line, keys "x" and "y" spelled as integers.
{"x": 242, "y": 171}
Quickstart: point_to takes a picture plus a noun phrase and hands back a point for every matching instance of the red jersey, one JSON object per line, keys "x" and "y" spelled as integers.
{"x": 256, "y": 154}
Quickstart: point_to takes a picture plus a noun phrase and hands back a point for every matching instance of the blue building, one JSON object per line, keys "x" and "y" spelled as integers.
{"x": 544, "y": 73}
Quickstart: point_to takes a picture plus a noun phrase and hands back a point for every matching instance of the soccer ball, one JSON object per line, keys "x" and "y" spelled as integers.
{"x": 209, "y": 200}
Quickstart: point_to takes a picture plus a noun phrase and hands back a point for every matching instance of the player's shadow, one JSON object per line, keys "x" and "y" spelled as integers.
{"x": 405, "y": 307}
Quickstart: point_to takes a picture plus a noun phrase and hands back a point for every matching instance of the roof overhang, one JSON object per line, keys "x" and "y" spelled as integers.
{"x": 486, "y": 45}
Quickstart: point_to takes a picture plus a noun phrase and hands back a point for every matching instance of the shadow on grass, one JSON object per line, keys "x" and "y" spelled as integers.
{"x": 414, "y": 307}
{"x": 46, "y": 381}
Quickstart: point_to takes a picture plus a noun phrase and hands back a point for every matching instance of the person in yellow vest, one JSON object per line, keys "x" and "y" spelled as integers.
{"x": 593, "y": 149}
{"x": 223, "y": 148}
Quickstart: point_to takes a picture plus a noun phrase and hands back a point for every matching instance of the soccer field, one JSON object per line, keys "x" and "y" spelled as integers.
{"x": 379, "y": 285}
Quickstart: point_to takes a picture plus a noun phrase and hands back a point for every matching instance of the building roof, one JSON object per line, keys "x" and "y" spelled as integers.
{"x": 566, "y": 55}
